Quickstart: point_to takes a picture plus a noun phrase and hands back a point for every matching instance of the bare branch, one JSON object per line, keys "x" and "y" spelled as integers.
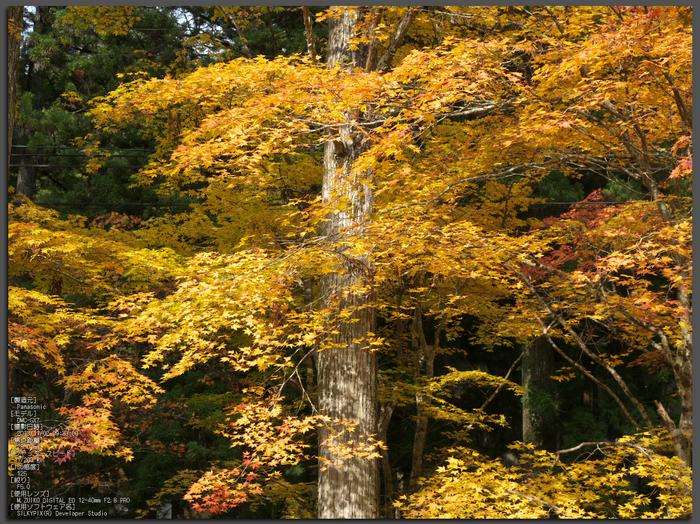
{"x": 246, "y": 51}
{"x": 582, "y": 345}
{"x": 582, "y": 444}
{"x": 639, "y": 449}
{"x": 385, "y": 62}
{"x": 55, "y": 268}
{"x": 667, "y": 420}
{"x": 551, "y": 506}
{"x": 583, "y": 370}
{"x": 686, "y": 115}
{"x": 272, "y": 31}
{"x": 556, "y": 20}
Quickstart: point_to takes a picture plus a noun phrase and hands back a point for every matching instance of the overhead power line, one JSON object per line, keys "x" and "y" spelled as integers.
{"x": 109, "y": 204}
{"x": 70, "y": 165}
{"x": 164, "y": 204}
{"x": 75, "y": 154}
{"x": 582, "y": 203}
{"x": 78, "y": 147}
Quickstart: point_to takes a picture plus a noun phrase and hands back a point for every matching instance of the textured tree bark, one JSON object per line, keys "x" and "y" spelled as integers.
{"x": 683, "y": 434}
{"x": 310, "y": 40}
{"x": 347, "y": 371}
{"x": 347, "y": 389}
{"x": 14, "y": 42}
{"x": 37, "y": 78}
{"x": 26, "y": 180}
{"x": 682, "y": 358}
{"x": 538, "y": 366}
{"x": 682, "y": 366}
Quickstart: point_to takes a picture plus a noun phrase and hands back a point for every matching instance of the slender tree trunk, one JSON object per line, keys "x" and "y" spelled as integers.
{"x": 419, "y": 357}
{"x": 310, "y": 40}
{"x": 347, "y": 371}
{"x": 423, "y": 355}
{"x": 14, "y": 43}
{"x": 385, "y": 412}
{"x": 682, "y": 358}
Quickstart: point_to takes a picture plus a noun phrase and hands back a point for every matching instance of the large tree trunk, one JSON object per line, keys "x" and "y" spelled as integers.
{"x": 14, "y": 43}
{"x": 683, "y": 433}
{"x": 682, "y": 366}
{"x": 347, "y": 371}
{"x": 537, "y": 368}
{"x": 37, "y": 77}
{"x": 26, "y": 180}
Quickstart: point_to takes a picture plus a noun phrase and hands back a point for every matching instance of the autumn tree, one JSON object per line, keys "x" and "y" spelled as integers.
{"x": 620, "y": 135}
{"x": 366, "y": 207}
{"x": 350, "y": 157}
{"x": 347, "y": 370}
{"x": 66, "y": 345}
{"x": 616, "y": 283}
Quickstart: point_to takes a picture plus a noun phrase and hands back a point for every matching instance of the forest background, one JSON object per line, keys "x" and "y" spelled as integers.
{"x": 376, "y": 262}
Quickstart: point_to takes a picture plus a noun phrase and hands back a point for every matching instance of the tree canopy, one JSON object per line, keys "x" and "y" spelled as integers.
{"x": 339, "y": 323}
